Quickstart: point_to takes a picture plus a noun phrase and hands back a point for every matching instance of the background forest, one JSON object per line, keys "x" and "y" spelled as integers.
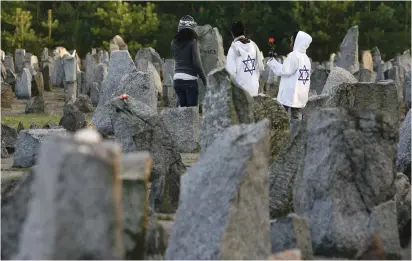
{"x": 82, "y": 25}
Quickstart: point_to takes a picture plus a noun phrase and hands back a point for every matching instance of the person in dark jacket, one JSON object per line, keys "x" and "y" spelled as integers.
{"x": 188, "y": 65}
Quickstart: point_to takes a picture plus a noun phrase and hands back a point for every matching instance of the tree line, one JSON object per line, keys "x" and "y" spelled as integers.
{"x": 83, "y": 25}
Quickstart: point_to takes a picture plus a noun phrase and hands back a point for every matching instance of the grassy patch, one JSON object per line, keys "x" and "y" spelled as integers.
{"x": 27, "y": 120}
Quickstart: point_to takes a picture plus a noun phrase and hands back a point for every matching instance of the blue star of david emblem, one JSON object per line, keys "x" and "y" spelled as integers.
{"x": 249, "y": 65}
{"x": 301, "y": 71}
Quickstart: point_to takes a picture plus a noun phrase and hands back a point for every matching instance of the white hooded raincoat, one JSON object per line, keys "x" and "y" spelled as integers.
{"x": 295, "y": 73}
{"x": 244, "y": 62}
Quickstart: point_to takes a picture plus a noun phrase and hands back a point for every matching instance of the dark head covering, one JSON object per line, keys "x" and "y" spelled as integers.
{"x": 186, "y": 22}
{"x": 238, "y": 29}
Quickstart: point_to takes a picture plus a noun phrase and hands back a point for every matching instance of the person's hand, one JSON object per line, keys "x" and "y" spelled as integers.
{"x": 271, "y": 54}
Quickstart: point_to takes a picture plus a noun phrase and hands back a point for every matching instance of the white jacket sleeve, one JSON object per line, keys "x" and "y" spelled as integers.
{"x": 231, "y": 62}
{"x": 289, "y": 66}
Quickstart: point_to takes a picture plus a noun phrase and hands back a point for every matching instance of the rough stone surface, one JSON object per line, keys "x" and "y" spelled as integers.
{"x": 8, "y": 136}
{"x": 150, "y": 54}
{"x": 135, "y": 180}
{"x": 147, "y": 67}
{"x": 224, "y": 199}
{"x": 7, "y": 95}
{"x": 349, "y": 57}
{"x": 4, "y": 152}
{"x": 183, "y": 124}
{"x": 291, "y": 232}
{"x": 403, "y": 161}
{"x": 37, "y": 85}
{"x": 396, "y": 73}
{"x": 94, "y": 94}
{"x": 9, "y": 61}
{"x": 20, "y": 127}
{"x": 225, "y": 105}
{"x": 46, "y": 78}
{"x": 23, "y": 85}
{"x": 211, "y": 53}
{"x": 156, "y": 241}
{"x": 27, "y": 145}
{"x": 84, "y": 104}
{"x": 269, "y": 108}
{"x": 403, "y": 207}
{"x": 103, "y": 57}
{"x": 140, "y": 86}
{"x": 347, "y": 177}
{"x": 14, "y": 211}
{"x": 58, "y": 75}
{"x": 73, "y": 119}
{"x": 11, "y": 79}
{"x": 365, "y": 75}
{"x": 318, "y": 79}
{"x": 19, "y": 56}
{"x": 377, "y": 64}
{"x": 168, "y": 91}
{"x": 138, "y": 128}
{"x": 380, "y": 97}
{"x": 119, "y": 43}
{"x": 336, "y": 77}
{"x": 35, "y": 105}
{"x": 76, "y": 210}
{"x": 100, "y": 72}
{"x": 90, "y": 66}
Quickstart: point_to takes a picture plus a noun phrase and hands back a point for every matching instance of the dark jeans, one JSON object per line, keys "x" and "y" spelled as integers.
{"x": 187, "y": 92}
{"x": 295, "y": 118}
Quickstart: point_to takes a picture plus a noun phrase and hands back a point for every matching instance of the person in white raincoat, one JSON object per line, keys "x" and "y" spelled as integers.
{"x": 295, "y": 78}
{"x": 244, "y": 61}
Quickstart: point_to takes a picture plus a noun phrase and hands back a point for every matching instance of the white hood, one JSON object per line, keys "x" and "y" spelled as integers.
{"x": 302, "y": 42}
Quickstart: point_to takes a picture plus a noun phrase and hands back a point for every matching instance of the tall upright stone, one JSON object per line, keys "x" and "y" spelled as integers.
{"x": 367, "y": 60}
{"x": 103, "y": 57}
{"x": 136, "y": 170}
{"x": 58, "y": 73}
{"x": 70, "y": 77}
{"x": 100, "y": 73}
{"x": 139, "y": 128}
{"x": 403, "y": 161}
{"x": 76, "y": 210}
{"x": 46, "y": 78}
{"x": 45, "y": 54}
{"x": 8, "y": 60}
{"x": 377, "y": 64}
{"x": 147, "y": 67}
{"x": 222, "y": 212}
{"x": 349, "y": 57}
{"x": 169, "y": 93}
{"x": 211, "y": 52}
{"x": 23, "y": 85}
{"x": 150, "y": 54}
{"x": 19, "y": 56}
{"x": 91, "y": 62}
{"x": 347, "y": 182}
{"x": 225, "y": 105}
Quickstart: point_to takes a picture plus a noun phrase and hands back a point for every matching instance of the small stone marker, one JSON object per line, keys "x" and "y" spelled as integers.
{"x": 23, "y": 85}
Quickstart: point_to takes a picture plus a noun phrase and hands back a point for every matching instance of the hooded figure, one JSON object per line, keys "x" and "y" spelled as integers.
{"x": 295, "y": 78}
{"x": 188, "y": 65}
{"x": 244, "y": 61}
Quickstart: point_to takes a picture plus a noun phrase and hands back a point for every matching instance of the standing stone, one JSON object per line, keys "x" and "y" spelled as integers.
{"x": 150, "y": 54}
{"x": 138, "y": 128}
{"x": 83, "y": 103}
{"x": 73, "y": 119}
{"x": 23, "y": 85}
{"x": 76, "y": 210}
{"x": 225, "y": 105}
{"x": 407, "y": 90}
{"x": 140, "y": 86}
{"x": 318, "y": 79}
{"x": 147, "y": 67}
{"x": 91, "y": 62}
{"x": 46, "y": 78}
{"x": 403, "y": 162}
{"x": 37, "y": 85}
{"x": 168, "y": 91}
{"x": 100, "y": 73}
{"x": 349, "y": 57}
{"x": 291, "y": 232}
{"x": 135, "y": 190}
{"x": 14, "y": 211}
{"x": 377, "y": 64}
{"x": 70, "y": 75}
{"x": 27, "y": 145}
{"x": 94, "y": 94}
{"x": 8, "y": 60}
{"x": 118, "y": 42}
{"x": 19, "y": 56}
{"x": 211, "y": 53}
{"x": 45, "y": 54}
{"x": 58, "y": 74}
{"x": 222, "y": 212}
{"x": 367, "y": 60}
{"x": 183, "y": 124}
{"x": 348, "y": 175}
{"x": 35, "y": 105}
{"x": 269, "y": 108}
{"x": 365, "y": 75}
{"x": 336, "y": 77}
{"x": 103, "y": 57}
{"x": 6, "y": 95}
{"x": 8, "y": 136}
{"x": 403, "y": 208}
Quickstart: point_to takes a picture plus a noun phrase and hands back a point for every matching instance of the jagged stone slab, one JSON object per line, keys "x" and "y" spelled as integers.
{"x": 76, "y": 210}
{"x": 347, "y": 175}
{"x": 336, "y": 77}
{"x": 224, "y": 199}
{"x": 318, "y": 80}
{"x": 183, "y": 124}
{"x": 403, "y": 161}
{"x": 23, "y": 85}
{"x": 225, "y": 104}
{"x": 403, "y": 207}
{"x": 27, "y": 145}
{"x": 150, "y": 54}
{"x": 349, "y": 49}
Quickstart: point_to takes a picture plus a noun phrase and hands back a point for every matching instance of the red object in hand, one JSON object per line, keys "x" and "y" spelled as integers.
{"x": 271, "y": 40}
{"x": 124, "y": 97}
